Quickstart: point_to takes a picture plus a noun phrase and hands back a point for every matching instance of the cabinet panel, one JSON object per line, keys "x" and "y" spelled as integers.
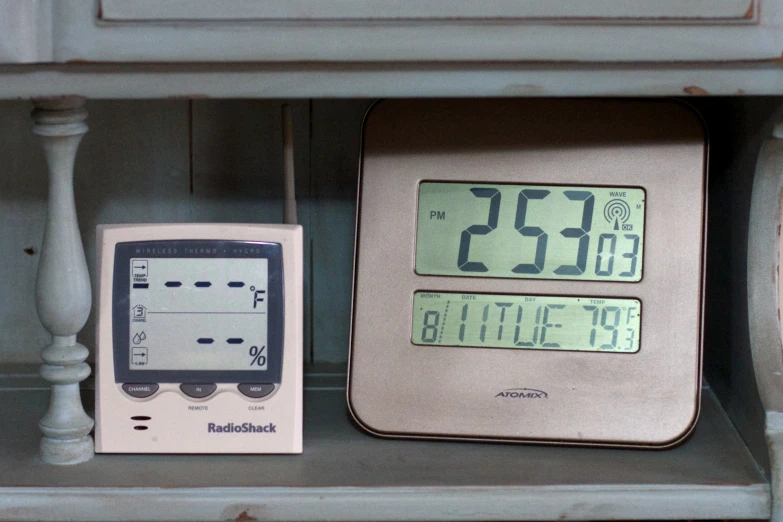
{"x": 369, "y": 31}
{"x": 21, "y": 41}
{"x": 419, "y": 9}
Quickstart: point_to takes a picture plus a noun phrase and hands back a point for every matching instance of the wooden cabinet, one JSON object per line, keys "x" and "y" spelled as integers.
{"x": 178, "y": 156}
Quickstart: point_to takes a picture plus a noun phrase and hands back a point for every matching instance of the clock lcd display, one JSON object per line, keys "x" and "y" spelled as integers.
{"x": 530, "y": 231}
{"x": 198, "y": 314}
{"x": 526, "y": 322}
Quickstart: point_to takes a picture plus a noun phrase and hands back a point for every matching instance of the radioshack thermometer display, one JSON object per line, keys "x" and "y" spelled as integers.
{"x": 218, "y": 308}
{"x": 200, "y": 336}
{"x": 529, "y": 271}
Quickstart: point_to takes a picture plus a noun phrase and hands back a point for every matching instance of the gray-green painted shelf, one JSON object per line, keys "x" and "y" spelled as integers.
{"x": 345, "y": 474}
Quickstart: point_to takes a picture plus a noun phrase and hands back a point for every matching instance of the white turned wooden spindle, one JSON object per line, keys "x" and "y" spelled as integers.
{"x": 62, "y": 290}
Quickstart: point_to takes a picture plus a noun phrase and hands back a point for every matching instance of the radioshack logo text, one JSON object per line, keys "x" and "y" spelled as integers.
{"x": 246, "y": 427}
{"x": 522, "y": 393}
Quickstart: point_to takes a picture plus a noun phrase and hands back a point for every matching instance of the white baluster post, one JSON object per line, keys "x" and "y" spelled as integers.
{"x": 62, "y": 290}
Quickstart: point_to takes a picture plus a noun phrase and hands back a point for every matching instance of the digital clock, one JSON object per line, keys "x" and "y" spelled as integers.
{"x": 529, "y": 271}
{"x": 613, "y": 216}
{"x": 199, "y": 334}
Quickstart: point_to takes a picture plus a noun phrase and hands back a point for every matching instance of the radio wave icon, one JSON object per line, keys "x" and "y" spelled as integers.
{"x": 617, "y": 210}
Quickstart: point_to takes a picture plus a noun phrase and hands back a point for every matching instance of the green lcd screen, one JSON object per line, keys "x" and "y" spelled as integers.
{"x": 530, "y": 231}
{"x": 526, "y": 322}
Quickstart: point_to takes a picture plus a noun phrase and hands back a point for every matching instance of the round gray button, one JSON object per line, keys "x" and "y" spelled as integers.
{"x": 140, "y": 391}
{"x": 256, "y": 391}
{"x": 198, "y": 391}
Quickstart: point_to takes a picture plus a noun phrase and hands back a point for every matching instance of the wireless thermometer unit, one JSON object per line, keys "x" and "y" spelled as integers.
{"x": 530, "y": 271}
{"x": 199, "y": 339}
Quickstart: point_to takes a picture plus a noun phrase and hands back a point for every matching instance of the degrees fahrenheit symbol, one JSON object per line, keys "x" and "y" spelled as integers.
{"x": 258, "y": 295}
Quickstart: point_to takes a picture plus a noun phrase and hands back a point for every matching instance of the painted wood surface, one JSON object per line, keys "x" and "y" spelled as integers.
{"x": 774, "y": 430}
{"x": 81, "y": 37}
{"x": 25, "y": 31}
{"x": 694, "y": 30}
{"x": 416, "y": 9}
{"x": 345, "y": 474}
{"x": 62, "y": 289}
{"x": 336, "y": 135}
{"x": 764, "y": 292}
{"x": 23, "y": 192}
{"x": 395, "y": 80}
{"x": 764, "y": 272}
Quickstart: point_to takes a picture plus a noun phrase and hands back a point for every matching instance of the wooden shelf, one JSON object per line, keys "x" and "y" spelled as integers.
{"x": 346, "y": 474}
{"x": 388, "y": 80}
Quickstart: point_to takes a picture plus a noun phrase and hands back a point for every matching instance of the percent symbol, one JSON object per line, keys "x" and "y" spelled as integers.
{"x": 257, "y": 356}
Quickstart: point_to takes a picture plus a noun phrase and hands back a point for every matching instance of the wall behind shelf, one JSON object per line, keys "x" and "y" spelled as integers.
{"x": 187, "y": 161}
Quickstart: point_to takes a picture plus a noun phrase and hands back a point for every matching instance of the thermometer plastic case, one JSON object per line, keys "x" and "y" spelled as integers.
{"x": 646, "y": 399}
{"x": 225, "y": 420}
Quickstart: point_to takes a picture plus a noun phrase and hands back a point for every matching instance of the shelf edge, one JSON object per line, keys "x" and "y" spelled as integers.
{"x": 630, "y": 502}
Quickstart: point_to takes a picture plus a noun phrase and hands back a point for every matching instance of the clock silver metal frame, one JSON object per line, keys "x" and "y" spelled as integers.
{"x": 647, "y": 399}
